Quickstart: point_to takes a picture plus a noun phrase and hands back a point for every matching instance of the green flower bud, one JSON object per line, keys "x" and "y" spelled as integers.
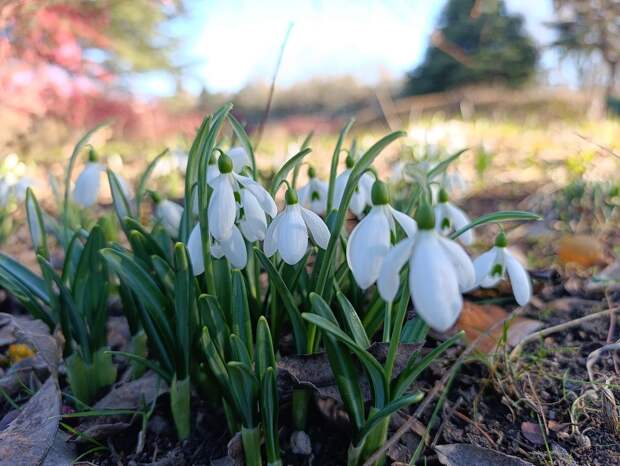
{"x": 443, "y": 196}
{"x": 225, "y": 164}
{"x": 291, "y": 197}
{"x": 155, "y": 197}
{"x": 500, "y": 240}
{"x": 92, "y": 155}
{"x": 311, "y": 172}
{"x": 349, "y": 161}
{"x": 380, "y": 194}
{"x": 425, "y": 217}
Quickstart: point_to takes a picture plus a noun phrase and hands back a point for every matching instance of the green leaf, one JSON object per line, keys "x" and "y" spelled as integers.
{"x": 245, "y": 140}
{"x": 353, "y": 321}
{"x": 144, "y": 178}
{"x": 25, "y": 277}
{"x": 374, "y": 370}
{"x": 356, "y": 173}
{"x": 215, "y": 362}
{"x": 238, "y": 351}
{"x": 299, "y": 329}
{"x": 36, "y": 225}
{"x": 213, "y": 318}
{"x": 334, "y": 165}
{"x": 264, "y": 355}
{"x": 241, "y": 322}
{"x": 244, "y": 389}
{"x": 179, "y": 405}
{"x": 121, "y": 205}
{"x": 73, "y": 253}
{"x": 387, "y": 410}
{"x": 88, "y": 379}
{"x": 26, "y": 298}
{"x": 497, "y": 217}
{"x": 269, "y": 412}
{"x": 304, "y": 145}
{"x": 443, "y": 165}
{"x": 183, "y": 305}
{"x": 289, "y": 165}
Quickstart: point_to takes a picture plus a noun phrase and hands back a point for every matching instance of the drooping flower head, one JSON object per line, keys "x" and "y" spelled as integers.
{"x": 288, "y": 233}
{"x": 361, "y": 197}
{"x": 450, "y": 218}
{"x": 88, "y": 183}
{"x": 493, "y": 266}
{"x": 439, "y": 271}
{"x": 313, "y": 195}
{"x": 370, "y": 240}
{"x": 168, "y": 213}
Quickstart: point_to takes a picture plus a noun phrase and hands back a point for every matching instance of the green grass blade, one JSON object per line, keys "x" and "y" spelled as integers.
{"x": 144, "y": 178}
{"x": 289, "y": 165}
{"x": 334, "y": 165}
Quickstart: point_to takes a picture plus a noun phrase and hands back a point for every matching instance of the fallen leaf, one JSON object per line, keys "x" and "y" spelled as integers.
{"x": 582, "y": 250}
{"x": 460, "y": 454}
{"x": 608, "y": 277}
{"x": 28, "y": 438}
{"x": 476, "y": 319}
{"x": 126, "y": 395}
{"x": 532, "y": 432}
{"x": 62, "y": 453}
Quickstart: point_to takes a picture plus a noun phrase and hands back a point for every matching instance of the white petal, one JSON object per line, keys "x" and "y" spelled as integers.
{"x": 254, "y": 223}
{"x": 519, "y": 279}
{"x": 409, "y": 225}
{"x": 169, "y": 214}
{"x": 459, "y": 219}
{"x": 318, "y": 196}
{"x": 483, "y": 265}
{"x": 465, "y": 272}
{"x": 234, "y": 249}
{"x": 222, "y": 208}
{"x": 194, "y": 248}
{"x": 262, "y": 196}
{"x": 292, "y": 235}
{"x": 217, "y": 250}
{"x": 303, "y": 194}
{"x": 317, "y": 228}
{"x": 240, "y": 159}
{"x": 212, "y": 172}
{"x": 339, "y": 185}
{"x": 357, "y": 204}
{"x": 87, "y": 185}
{"x": 440, "y": 216}
{"x": 389, "y": 276}
{"x": 125, "y": 187}
{"x": 368, "y": 244}
{"x": 270, "y": 246}
{"x": 433, "y": 283}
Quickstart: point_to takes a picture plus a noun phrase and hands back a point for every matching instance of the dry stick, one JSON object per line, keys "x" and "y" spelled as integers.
{"x": 558, "y": 328}
{"x": 263, "y": 121}
{"x": 600, "y": 146}
{"x": 436, "y": 389}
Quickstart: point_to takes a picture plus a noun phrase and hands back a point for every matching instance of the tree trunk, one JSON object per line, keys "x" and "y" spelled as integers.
{"x": 611, "y": 81}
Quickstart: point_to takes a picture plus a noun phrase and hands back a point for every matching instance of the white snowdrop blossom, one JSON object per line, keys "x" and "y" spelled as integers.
{"x": 288, "y": 233}
{"x": 254, "y": 202}
{"x": 493, "y": 266}
{"x": 371, "y": 238}
{"x": 233, "y": 248}
{"x": 450, "y": 218}
{"x": 88, "y": 183}
{"x": 439, "y": 271}
{"x": 362, "y": 195}
{"x": 169, "y": 215}
{"x": 313, "y": 195}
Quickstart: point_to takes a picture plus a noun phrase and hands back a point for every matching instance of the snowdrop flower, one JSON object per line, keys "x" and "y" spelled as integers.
{"x": 313, "y": 195}
{"x": 370, "y": 239}
{"x": 492, "y": 266}
{"x": 228, "y": 189}
{"x": 240, "y": 160}
{"x": 288, "y": 232}
{"x": 439, "y": 271}
{"x": 450, "y": 218}
{"x": 5, "y": 192}
{"x": 88, "y": 182}
{"x": 361, "y": 197}
{"x": 168, "y": 213}
{"x": 233, "y": 248}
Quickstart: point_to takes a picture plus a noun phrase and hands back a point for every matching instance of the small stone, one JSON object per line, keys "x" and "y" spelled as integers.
{"x": 300, "y": 443}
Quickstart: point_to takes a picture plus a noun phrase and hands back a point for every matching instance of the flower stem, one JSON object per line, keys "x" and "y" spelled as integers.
{"x": 387, "y": 322}
{"x": 251, "y": 446}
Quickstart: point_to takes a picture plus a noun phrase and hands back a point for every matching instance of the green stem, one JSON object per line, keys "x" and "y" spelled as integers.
{"x": 354, "y": 454}
{"x": 301, "y": 399}
{"x": 376, "y": 438}
{"x": 251, "y": 446}
{"x": 387, "y": 322}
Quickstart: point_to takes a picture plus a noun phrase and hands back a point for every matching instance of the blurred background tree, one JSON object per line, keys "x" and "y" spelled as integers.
{"x": 589, "y": 27}
{"x": 476, "y": 41}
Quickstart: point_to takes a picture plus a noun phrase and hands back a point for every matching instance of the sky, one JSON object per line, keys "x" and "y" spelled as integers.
{"x": 227, "y": 44}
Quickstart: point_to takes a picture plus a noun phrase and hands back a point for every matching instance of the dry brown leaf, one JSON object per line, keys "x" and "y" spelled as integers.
{"x": 582, "y": 250}
{"x": 458, "y": 454}
{"x": 476, "y": 319}
{"x": 533, "y": 433}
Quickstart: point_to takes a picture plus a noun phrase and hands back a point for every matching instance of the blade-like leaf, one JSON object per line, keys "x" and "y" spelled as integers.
{"x": 264, "y": 355}
{"x": 36, "y": 225}
{"x": 497, "y": 217}
{"x": 334, "y": 165}
{"x": 244, "y": 139}
{"x": 241, "y": 321}
{"x": 144, "y": 178}
{"x": 353, "y": 321}
{"x": 289, "y": 165}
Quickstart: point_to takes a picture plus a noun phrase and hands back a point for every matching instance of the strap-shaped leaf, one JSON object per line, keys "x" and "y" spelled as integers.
{"x": 238, "y": 351}
{"x": 244, "y": 388}
{"x": 121, "y": 205}
{"x": 269, "y": 412}
{"x": 334, "y": 165}
{"x": 299, "y": 330}
{"x": 144, "y": 178}
{"x": 497, "y": 217}
{"x": 264, "y": 355}
{"x": 26, "y": 298}
{"x": 444, "y": 164}
{"x": 25, "y": 277}
{"x": 147, "y": 362}
{"x": 353, "y": 321}
{"x": 304, "y": 145}
{"x": 387, "y": 410}
{"x": 183, "y": 304}
{"x": 152, "y": 246}
{"x": 241, "y": 321}
{"x": 289, "y": 165}
{"x": 36, "y": 225}
{"x": 374, "y": 370}
{"x": 213, "y": 318}
{"x": 164, "y": 274}
{"x": 215, "y": 362}
{"x": 244, "y": 139}
{"x": 73, "y": 253}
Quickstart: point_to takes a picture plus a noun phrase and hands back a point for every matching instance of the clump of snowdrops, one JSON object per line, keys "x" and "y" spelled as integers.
{"x": 190, "y": 278}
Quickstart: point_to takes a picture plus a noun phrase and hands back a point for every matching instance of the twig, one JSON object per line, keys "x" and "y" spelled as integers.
{"x": 477, "y": 426}
{"x": 437, "y": 388}
{"x": 558, "y": 328}
{"x": 263, "y": 121}
{"x": 594, "y": 355}
{"x": 600, "y": 146}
